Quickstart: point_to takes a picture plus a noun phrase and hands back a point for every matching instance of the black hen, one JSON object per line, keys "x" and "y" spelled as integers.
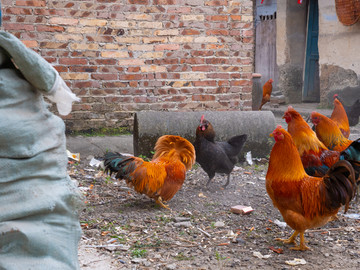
{"x": 216, "y": 157}
{"x": 353, "y": 111}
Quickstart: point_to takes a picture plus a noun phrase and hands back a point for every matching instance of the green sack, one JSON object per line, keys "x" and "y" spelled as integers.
{"x": 39, "y": 225}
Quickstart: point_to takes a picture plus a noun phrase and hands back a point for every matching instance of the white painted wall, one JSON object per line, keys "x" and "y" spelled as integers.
{"x": 338, "y": 44}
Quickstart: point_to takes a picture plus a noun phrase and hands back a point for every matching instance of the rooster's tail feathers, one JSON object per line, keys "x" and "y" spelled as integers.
{"x": 340, "y": 185}
{"x": 176, "y": 146}
{"x": 352, "y": 154}
{"x": 119, "y": 164}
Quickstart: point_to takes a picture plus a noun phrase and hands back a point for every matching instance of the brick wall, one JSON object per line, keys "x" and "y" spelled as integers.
{"x": 129, "y": 55}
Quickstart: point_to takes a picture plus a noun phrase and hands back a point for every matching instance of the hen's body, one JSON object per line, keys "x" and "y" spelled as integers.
{"x": 352, "y": 112}
{"x": 304, "y": 201}
{"x": 216, "y": 157}
{"x": 267, "y": 89}
{"x": 339, "y": 116}
{"x": 315, "y": 156}
{"x": 163, "y": 176}
{"x": 329, "y": 133}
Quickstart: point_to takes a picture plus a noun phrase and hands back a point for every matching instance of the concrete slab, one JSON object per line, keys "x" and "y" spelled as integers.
{"x": 97, "y": 146}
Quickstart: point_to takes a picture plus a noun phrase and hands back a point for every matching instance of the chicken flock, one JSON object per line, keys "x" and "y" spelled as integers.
{"x": 311, "y": 173}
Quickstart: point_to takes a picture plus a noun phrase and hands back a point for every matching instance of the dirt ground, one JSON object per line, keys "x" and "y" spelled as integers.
{"x": 125, "y": 230}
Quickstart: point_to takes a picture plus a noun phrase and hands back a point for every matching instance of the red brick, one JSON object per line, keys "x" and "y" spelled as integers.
{"x": 72, "y": 61}
{"x": 33, "y": 3}
{"x": 61, "y": 68}
{"x": 131, "y": 76}
{"x": 175, "y": 98}
{"x": 144, "y": 99}
{"x": 133, "y": 84}
{"x": 133, "y": 92}
{"x": 105, "y": 77}
{"x": 116, "y": 84}
{"x": 106, "y": 1}
{"x": 204, "y": 83}
{"x": 217, "y": 32}
{"x": 169, "y": 47}
{"x": 48, "y": 12}
{"x": 219, "y": 75}
{"x": 217, "y": 61}
{"x": 164, "y": 2}
{"x": 47, "y": 28}
{"x": 203, "y": 98}
{"x": 138, "y": 2}
{"x": 18, "y": 11}
{"x": 106, "y": 61}
{"x": 240, "y": 83}
{"x": 203, "y": 68}
{"x": 190, "y": 32}
{"x": 87, "y": 84}
{"x": 83, "y": 68}
{"x": 133, "y": 69}
{"x": 216, "y": 3}
{"x": 202, "y": 53}
{"x": 18, "y": 26}
{"x": 81, "y": 107}
{"x": 218, "y": 18}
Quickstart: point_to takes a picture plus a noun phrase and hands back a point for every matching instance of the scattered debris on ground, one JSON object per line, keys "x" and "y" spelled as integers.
{"x": 125, "y": 230}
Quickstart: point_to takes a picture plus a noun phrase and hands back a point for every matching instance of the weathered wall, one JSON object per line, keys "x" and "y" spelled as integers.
{"x": 123, "y": 56}
{"x": 339, "y": 55}
{"x": 290, "y": 44}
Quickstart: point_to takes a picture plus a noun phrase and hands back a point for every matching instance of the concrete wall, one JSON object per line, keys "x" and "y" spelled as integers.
{"x": 290, "y": 42}
{"x": 123, "y": 56}
{"x": 339, "y": 50}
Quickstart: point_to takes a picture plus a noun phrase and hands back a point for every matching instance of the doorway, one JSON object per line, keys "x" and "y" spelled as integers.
{"x": 311, "y": 90}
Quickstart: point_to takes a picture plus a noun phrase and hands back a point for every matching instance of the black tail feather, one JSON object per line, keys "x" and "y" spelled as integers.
{"x": 117, "y": 163}
{"x": 340, "y": 183}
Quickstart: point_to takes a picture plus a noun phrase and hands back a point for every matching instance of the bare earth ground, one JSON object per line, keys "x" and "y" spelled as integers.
{"x": 125, "y": 230}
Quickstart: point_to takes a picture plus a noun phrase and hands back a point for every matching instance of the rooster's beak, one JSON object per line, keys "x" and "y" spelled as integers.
{"x": 271, "y": 135}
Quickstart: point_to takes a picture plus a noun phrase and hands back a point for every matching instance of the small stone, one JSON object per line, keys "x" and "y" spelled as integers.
{"x": 157, "y": 256}
{"x": 181, "y": 219}
{"x": 172, "y": 266}
{"x": 185, "y": 224}
{"x": 138, "y": 260}
{"x": 219, "y": 224}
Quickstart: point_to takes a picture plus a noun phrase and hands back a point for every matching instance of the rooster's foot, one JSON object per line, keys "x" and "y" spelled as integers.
{"x": 227, "y": 182}
{"x": 160, "y": 201}
{"x": 208, "y": 182}
{"x": 300, "y": 247}
{"x": 286, "y": 241}
{"x": 291, "y": 239}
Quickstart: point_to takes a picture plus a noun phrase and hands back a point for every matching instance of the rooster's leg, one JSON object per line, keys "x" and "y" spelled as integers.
{"x": 291, "y": 239}
{"x": 208, "y": 182}
{"x": 160, "y": 201}
{"x": 302, "y": 245}
{"x": 227, "y": 182}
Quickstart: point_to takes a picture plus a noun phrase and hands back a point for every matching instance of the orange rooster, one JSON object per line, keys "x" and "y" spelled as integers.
{"x": 329, "y": 133}
{"x": 160, "y": 178}
{"x": 305, "y": 201}
{"x": 315, "y": 156}
{"x": 267, "y": 89}
{"x": 339, "y": 116}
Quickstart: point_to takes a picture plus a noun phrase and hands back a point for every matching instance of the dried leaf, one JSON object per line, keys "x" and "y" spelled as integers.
{"x": 277, "y": 250}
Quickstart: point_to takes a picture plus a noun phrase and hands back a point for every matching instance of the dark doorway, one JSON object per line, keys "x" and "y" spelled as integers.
{"x": 311, "y": 91}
